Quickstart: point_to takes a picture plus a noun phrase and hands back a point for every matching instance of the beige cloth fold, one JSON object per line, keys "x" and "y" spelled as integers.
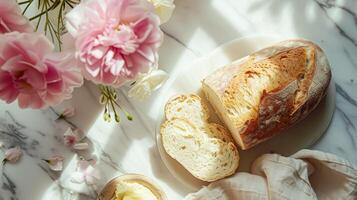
{"x": 306, "y": 175}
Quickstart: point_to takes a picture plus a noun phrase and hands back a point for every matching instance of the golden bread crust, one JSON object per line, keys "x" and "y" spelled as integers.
{"x": 271, "y": 90}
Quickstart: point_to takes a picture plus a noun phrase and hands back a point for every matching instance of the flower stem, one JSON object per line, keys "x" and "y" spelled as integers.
{"x": 108, "y": 98}
{"x": 52, "y": 27}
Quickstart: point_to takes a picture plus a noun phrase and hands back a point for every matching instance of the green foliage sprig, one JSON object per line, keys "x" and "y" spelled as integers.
{"x": 49, "y": 16}
{"x": 109, "y": 99}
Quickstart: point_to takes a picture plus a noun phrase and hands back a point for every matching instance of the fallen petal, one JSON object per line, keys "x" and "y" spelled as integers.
{"x": 81, "y": 146}
{"x": 68, "y": 112}
{"x": 69, "y": 137}
{"x": 55, "y": 163}
{"x": 13, "y": 155}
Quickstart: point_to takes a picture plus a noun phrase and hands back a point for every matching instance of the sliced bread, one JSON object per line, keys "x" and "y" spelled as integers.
{"x": 205, "y": 149}
{"x": 205, "y": 157}
{"x": 187, "y": 106}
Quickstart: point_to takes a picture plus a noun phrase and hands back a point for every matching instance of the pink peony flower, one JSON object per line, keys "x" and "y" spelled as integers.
{"x": 32, "y": 73}
{"x": 115, "y": 39}
{"x": 11, "y": 18}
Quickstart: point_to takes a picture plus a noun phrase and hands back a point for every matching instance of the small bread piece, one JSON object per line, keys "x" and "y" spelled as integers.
{"x": 189, "y": 107}
{"x": 269, "y": 90}
{"x": 205, "y": 157}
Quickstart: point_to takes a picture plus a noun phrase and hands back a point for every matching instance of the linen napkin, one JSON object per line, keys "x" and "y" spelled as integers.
{"x": 307, "y": 175}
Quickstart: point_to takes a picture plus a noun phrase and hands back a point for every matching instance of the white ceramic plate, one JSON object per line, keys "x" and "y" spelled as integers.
{"x": 188, "y": 80}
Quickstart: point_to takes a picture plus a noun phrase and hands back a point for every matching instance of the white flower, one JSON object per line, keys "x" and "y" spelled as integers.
{"x": 163, "y": 8}
{"x": 55, "y": 162}
{"x": 86, "y": 173}
{"x": 147, "y": 83}
{"x": 13, "y": 155}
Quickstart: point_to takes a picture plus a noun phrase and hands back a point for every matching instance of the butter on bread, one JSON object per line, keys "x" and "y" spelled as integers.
{"x": 269, "y": 90}
{"x": 205, "y": 149}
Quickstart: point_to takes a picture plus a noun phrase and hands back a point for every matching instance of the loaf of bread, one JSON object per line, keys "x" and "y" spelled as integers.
{"x": 205, "y": 149}
{"x": 268, "y": 91}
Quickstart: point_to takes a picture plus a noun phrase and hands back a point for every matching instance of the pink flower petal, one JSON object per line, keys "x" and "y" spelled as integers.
{"x": 11, "y": 18}
{"x": 13, "y": 155}
{"x": 55, "y": 163}
{"x": 81, "y": 146}
{"x": 8, "y": 91}
{"x": 35, "y": 79}
{"x": 30, "y": 101}
{"x": 70, "y": 137}
{"x": 69, "y": 111}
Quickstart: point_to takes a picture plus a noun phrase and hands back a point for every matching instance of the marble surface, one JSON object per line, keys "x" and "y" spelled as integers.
{"x": 196, "y": 28}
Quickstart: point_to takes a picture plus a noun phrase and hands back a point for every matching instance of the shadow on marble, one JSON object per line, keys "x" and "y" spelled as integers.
{"x": 161, "y": 172}
{"x": 188, "y": 21}
{"x": 87, "y": 107}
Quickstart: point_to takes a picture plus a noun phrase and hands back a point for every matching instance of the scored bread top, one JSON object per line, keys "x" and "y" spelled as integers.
{"x": 268, "y": 90}
{"x": 257, "y": 78}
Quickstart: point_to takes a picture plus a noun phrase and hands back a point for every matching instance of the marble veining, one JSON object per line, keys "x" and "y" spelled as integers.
{"x": 325, "y": 5}
{"x": 345, "y": 95}
{"x": 196, "y": 28}
{"x": 183, "y": 44}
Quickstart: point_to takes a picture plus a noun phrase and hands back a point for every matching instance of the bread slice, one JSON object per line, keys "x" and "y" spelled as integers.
{"x": 268, "y": 90}
{"x": 189, "y": 107}
{"x": 205, "y": 149}
{"x": 205, "y": 157}
{"x": 192, "y": 108}
{"x": 218, "y": 131}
